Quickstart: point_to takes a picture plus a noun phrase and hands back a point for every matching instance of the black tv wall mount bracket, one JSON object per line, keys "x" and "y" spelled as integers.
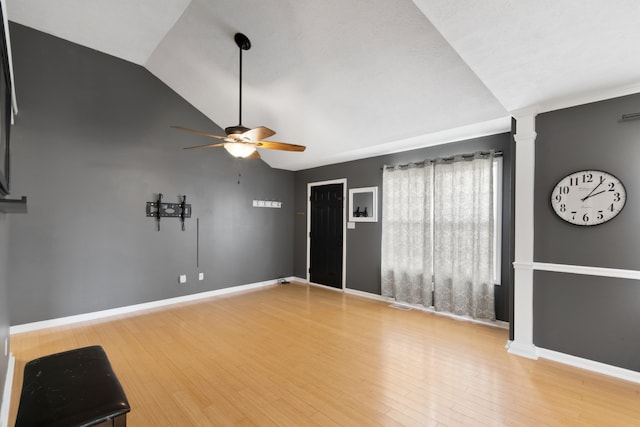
{"x": 159, "y": 209}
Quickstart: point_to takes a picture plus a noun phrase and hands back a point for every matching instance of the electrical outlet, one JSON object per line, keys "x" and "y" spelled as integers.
{"x": 183, "y": 278}
{"x": 200, "y": 276}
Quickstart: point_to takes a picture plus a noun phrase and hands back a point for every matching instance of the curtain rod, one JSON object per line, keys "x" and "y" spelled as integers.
{"x": 446, "y": 159}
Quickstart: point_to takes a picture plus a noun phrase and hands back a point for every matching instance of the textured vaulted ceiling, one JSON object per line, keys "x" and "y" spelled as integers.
{"x": 355, "y": 78}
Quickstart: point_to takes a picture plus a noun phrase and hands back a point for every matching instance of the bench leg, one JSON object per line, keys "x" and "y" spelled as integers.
{"x": 120, "y": 421}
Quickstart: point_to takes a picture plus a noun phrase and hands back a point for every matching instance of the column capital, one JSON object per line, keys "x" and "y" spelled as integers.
{"x": 522, "y": 138}
{"x": 526, "y": 126}
{"x": 523, "y": 113}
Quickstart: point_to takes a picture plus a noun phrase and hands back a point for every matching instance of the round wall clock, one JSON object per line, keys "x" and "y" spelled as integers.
{"x": 588, "y": 197}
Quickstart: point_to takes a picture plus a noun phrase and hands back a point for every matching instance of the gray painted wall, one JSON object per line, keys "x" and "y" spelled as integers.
{"x": 4, "y": 307}
{"x": 363, "y": 242}
{"x": 589, "y": 317}
{"x": 91, "y": 145}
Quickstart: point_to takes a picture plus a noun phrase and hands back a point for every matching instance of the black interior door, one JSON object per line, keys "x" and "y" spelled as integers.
{"x": 326, "y": 235}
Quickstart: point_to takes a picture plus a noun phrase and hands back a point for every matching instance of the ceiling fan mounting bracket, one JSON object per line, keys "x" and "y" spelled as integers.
{"x": 236, "y": 130}
{"x": 242, "y": 41}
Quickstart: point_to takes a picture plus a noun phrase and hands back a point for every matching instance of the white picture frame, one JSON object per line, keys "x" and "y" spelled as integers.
{"x": 363, "y": 204}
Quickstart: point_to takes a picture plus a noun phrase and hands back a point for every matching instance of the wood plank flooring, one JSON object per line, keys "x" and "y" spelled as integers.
{"x": 298, "y": 355}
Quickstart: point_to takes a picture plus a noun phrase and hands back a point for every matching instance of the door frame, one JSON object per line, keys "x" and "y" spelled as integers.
{"x": 310, "y": 185}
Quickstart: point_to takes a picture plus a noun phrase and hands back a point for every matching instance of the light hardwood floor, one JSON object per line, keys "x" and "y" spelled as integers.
{"x": 298, "y": 355}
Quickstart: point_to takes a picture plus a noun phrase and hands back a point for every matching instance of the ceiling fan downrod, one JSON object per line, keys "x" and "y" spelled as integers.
{"x": 244, "y": 44}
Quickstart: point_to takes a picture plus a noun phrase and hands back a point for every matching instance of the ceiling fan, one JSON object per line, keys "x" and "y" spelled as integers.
{"x": 240, "y": 141}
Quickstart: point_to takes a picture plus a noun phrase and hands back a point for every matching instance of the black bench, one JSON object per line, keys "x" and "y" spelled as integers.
{"x": 72, "y": 388}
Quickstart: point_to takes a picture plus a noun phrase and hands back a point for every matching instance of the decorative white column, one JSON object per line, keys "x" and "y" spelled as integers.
{"x": 522, "y": 344}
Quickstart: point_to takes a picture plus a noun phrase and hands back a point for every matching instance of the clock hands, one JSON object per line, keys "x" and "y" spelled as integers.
{"x": 591, "y": 195}
{"x": 594, "y": 189}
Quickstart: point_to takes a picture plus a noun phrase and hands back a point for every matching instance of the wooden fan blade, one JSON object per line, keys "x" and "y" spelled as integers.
{"x": 254, "y": 155}
{"x": 220, "y": 144}
{"x": 198, "y": 132}
{"x": 258, "y": 133}
{"x": 273, "y": 145}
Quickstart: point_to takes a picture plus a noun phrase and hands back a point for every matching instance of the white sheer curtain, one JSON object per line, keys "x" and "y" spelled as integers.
{"x": 463, "y": 237}
{"x": 406, "y": 233}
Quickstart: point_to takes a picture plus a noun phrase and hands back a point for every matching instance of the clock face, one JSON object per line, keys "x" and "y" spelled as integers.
{"x": 588, "y": 197}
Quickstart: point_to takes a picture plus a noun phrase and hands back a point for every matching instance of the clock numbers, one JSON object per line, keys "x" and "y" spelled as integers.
{"x": 588, "y": 197}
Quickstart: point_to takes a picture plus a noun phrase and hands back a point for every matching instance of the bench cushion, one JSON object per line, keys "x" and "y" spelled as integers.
{"x": 72, "y": 388}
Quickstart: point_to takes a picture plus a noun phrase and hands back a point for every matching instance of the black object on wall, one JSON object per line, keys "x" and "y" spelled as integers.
{"x": 13, "y": 205}
{"x": 160, "y": 209}
{"x": 5, "y": 111}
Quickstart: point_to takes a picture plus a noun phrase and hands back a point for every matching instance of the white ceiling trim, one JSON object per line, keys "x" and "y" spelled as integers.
{"x": 586, "y": 98}
{"x": 476, "y": 130}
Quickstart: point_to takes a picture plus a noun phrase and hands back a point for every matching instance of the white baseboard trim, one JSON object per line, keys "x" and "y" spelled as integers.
{"x": 368, "y": 295}
{"x": 320, "y": 285}
{"x": 590, "y": 365}
{"x": 61, "y": 321}
{"x": 6, "y": 395}
{"x": 493, "y": 323}
{"x": 389, "y": 300}
{"x": 346, "y": 290}
{"x": 523, "y": 350}
{"x": 533, "y": 352}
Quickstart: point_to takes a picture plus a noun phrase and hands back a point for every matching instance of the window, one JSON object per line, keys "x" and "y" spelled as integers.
{"x": 451, "y": 255}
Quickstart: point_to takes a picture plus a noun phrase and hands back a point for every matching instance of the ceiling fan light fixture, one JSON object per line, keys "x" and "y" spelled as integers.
{"x": 239, "y": 149}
